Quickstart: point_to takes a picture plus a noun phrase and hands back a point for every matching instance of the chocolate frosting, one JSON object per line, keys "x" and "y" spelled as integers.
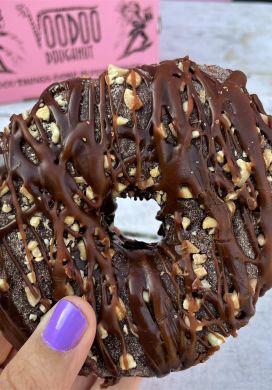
{"x": 171, "y": 333}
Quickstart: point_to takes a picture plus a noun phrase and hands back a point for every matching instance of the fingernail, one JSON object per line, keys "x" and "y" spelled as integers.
{"x": 65, "y": 327}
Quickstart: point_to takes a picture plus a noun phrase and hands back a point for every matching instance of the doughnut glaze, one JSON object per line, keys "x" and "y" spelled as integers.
{"x": 188, "y": 136}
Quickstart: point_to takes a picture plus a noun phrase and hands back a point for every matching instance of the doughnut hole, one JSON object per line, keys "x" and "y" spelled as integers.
{"x": 143, "y": 213}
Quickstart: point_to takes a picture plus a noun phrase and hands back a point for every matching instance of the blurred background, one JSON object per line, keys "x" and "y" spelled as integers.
{"x": 236, "y": 35}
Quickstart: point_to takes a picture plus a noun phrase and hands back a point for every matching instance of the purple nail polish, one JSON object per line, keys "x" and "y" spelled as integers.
{"x": 65, "y": 327}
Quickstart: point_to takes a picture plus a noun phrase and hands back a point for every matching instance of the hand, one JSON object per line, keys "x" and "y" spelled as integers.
{"x": 55, "y": 353}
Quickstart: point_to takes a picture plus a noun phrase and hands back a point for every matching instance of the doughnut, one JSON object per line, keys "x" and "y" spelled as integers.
{"x": 188, "y": 136}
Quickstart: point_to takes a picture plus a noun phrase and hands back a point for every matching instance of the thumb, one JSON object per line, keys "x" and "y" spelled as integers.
{"x": 56, "y": 351}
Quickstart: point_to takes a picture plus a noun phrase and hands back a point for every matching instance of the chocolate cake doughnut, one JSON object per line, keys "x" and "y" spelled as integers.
{"x": 192, "y": 138}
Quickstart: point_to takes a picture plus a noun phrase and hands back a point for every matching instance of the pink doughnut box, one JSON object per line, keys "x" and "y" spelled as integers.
{"x": 42, "y": 42}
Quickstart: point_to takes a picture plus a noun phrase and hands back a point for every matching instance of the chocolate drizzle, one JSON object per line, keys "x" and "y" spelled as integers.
{"x": 172, "y": 335}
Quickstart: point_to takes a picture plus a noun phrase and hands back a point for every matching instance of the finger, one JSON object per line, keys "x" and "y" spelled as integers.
{"x": 56, "y": 351}
{"x": 84, "y": 382}
{"x": 5, "y": 349}
{"x": 124, "y": 384}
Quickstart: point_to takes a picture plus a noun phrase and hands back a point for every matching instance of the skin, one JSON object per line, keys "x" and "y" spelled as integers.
{"x": 28, "y": 368}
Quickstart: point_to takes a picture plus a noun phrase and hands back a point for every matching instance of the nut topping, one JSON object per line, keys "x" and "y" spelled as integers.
{"x": 185, "y": 222}
{"x": 209, "y": 222}
{"x": 121, "y": 121}
{"x": 35, "y": 221}
{"x": 185, "y": 193}
{"x": 4, "y": 189}
{"x": 245, "y": 172}
{"x": 132, "y": 101}
{"x": 32, "y": 299}
{"x": 191, "y": 248}
{"x": 82, "y": 250}
{"x": 102, "y": 331}
{"x": 134, "y": 79}
{"x": 120, "y": 310}
{"x": 4, "y": 286}
{"x": 43, "y": 113}
{"x": 127, "y": 362}
{"x": 215, "y": 339}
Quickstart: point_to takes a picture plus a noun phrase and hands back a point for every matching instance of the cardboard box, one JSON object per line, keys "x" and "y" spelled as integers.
{"x": 42, "y": 42}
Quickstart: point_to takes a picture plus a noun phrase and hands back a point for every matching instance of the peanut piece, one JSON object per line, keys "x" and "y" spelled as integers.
{"x": 55, "y": 133}
{"x": 4, "y": 286}
{"x": 121, "y": 187}
{"x": 202, "y": 96}
{"x": 134, "y": 79}
{"x": 220, "y": 156}
{"x": 121, "y": 121}
{"x": 199, "y": 259}
{"x": 115, "y": 71}
{"x": 231, "y": 206}
{"x": 89, "y": 193}
{"x": 26, "y": 193}
{"x": 231, "y": 196}
{"x": 191, "y": 248}
{"x": 185, "y": 106}
{"x": 131, "y": 101}
{"x": 205, "y": 284}
{"x": 6, "y": 208}
{"x": 267, "y": 155}
{"x": 185, "y": 222}
{"x": 35, "y": 221}
{"x": 155, "y": 172}
{"x": 261, "y": 240}
{"x": 245, "y": 172}
{"x": 32, "y": 245}
{"x": 36, "y": 252}
{"x": 195, "y": 134}
{"x": 102, "y": 331}
{"x": 146, "y": 296}
{"x": 69, "y": 220}
{"x": 62, "y": 102}
{"x": 226, "y": 168}
{"x": 43, "y": 113}
{"x": 192, "y": 304}
{"x": 33, "y": 317}
{"x": 234, "y": 298}
{"x": 180, "y": 66}
{"x": 200, "y": 272}
{"x": 80, "y": 180}
{"x": 185, "y": 193}
{"x": 253, "y": 284}
{"x": 32, "y": 299}
{"x": 25, "y": 114}
{"x": 4, "y": 189}
{"x": 120, "y": 310}
{"x": 82, "y": 250}
{"x": 32, "y": 277}
{"x": 127, "y": 362}
{"x": 132, "y": 171}
{"x": 209, "y": 222}
{"x": 215, "y": 339}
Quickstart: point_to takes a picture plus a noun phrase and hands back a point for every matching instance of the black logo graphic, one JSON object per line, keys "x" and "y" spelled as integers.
{"x": 64, "y": 27}
{"x": 136, "y": 21}
{"x": 66, "y": 34}
{"x": 8, "y": 57}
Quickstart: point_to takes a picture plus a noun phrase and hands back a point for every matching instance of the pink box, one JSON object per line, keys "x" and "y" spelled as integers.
{"x": 46, "y": 41}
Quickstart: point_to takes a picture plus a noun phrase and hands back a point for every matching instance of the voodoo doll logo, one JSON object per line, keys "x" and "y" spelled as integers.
{"x": 134, "y": 23}
{"x": 11, "y": 49}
